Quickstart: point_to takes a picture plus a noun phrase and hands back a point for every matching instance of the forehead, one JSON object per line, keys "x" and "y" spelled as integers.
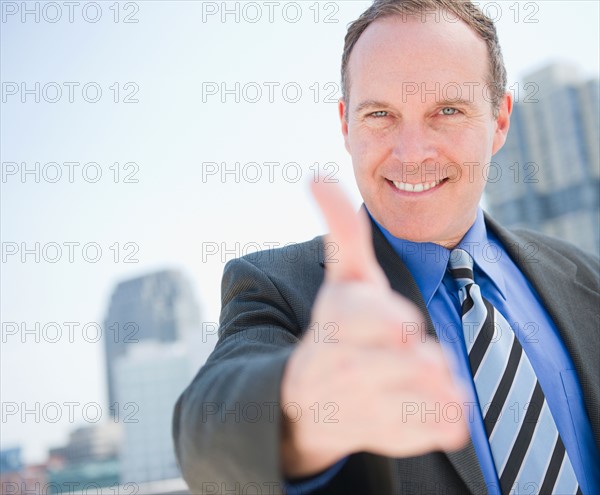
{"x": 398, "y": 50}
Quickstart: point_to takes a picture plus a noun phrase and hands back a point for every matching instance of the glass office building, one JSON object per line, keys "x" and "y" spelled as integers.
{"x": 546, "y": 177}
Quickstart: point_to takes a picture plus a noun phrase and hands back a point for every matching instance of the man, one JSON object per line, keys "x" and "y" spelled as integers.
{"x": 326, "y": 377}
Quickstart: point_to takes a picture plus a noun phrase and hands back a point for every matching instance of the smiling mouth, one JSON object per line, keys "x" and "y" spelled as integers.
{"x": 417, "y": 188}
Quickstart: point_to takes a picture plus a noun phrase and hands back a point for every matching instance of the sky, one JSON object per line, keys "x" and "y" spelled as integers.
{"x": 137, "y": 136}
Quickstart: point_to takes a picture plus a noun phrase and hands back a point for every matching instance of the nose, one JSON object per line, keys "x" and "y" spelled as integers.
{"x": 414, "y": 145}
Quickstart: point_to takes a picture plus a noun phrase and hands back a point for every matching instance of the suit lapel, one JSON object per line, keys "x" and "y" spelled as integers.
{"x": 547, "y": 271}
{"x": 570, "y": 305}
{"x": 399, "y": 276}
{"x": 465, "y": 460}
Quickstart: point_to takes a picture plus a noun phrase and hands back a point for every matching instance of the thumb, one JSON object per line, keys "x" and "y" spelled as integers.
{"x": 354, "y": 258}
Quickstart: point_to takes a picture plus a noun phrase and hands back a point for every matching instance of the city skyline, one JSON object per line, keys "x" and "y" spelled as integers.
{"x": 548, "y": 172}
{"x": 159, "y": 306}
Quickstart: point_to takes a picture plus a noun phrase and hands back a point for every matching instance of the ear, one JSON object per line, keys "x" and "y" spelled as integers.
{"x": 502, "y": 122}
{"x": 342, "y": 108}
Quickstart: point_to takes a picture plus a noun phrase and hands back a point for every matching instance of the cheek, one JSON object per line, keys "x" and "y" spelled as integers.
{"x": 471, "y": 182}
{"x": 369, "y": 151}
{"x": 473, "y": 154}
{"x": 493, "y": 172}
{"x": 364, "y": 156}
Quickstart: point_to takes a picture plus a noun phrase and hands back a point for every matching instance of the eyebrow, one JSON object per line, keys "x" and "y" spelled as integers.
{"x": 363, "y": 105}
{"x": 457, "y": 102}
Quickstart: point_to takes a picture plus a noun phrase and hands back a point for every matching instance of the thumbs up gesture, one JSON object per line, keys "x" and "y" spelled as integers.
{"x": 367, "y": 388}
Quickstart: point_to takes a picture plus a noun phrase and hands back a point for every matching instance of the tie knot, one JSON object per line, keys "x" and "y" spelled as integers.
{"x": 461, "y": 266}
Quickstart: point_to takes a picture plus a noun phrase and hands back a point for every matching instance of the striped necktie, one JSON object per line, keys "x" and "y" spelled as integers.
{"x": 528, "y": 453}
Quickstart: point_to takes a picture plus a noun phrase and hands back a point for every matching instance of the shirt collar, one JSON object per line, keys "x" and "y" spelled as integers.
{"x": 485, "y": 251}
{"x": 427, "y": 262}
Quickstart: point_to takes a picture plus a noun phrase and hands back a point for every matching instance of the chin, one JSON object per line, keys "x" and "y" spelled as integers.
{"x": 424, "y": 231}
{"x": 412, "y": 234}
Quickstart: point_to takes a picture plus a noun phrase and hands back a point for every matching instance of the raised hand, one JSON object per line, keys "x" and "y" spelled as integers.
{"x": 373, "y": 387}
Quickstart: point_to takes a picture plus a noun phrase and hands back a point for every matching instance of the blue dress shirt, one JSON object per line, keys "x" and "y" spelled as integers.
{"x": 503, "y": 284}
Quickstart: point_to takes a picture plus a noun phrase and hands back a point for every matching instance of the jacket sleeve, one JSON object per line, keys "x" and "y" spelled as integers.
{"x": 227, "y": 423}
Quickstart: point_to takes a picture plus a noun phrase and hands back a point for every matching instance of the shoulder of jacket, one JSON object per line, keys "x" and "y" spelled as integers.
{"x": 291, "y": 256}
{"x": 544, "y": 243}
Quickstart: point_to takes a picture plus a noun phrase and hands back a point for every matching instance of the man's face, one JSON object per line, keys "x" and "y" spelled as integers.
{"x": 420, "y": 128}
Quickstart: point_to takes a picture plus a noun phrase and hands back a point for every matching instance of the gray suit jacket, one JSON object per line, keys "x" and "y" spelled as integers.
{"x": 227, "y": 423}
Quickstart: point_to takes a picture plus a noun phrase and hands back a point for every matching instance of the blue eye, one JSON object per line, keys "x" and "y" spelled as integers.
{"x": 379, "y": 113}
{"x": 449, "y": 111}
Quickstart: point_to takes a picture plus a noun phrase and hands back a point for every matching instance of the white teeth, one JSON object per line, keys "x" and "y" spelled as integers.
{"x": 405, "y": 186}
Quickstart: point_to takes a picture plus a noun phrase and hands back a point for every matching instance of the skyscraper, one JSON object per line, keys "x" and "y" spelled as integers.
{"x": 94, "y": 442}
{"x": 546, "y": 177}
{"x": 148, "y": 380}
{"x": 159, "y": 307}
